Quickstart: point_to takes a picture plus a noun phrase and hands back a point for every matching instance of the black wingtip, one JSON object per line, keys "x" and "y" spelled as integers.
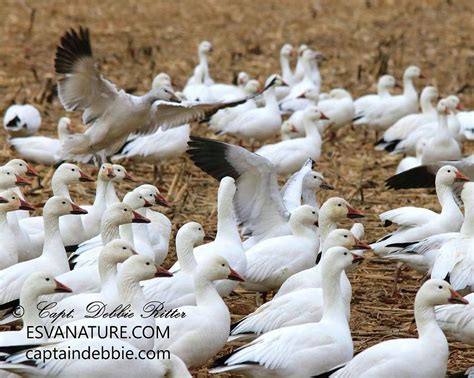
{"x": 418, "y": 177}
{"x": 73, "y": 45}
{"x": 10, "y": 305}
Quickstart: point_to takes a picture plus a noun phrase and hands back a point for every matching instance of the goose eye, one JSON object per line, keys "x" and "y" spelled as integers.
{"x": 345, "y": 253}
{"x": 148, "y": 263}
{"x": 47, "y": 279}
{"x": 64, "y": 202}
{"x": 119, "y": 170}
{"x": 199, "y": 228}
{"x": 8, "y": 173}
{"x": 339, "y": 205}
{"x": 440, "y": 287}
{"x": 73, "y": 169}
{"x": 124, "y": 209}
{"x": 313, "y": 212}
{"x": 124, "y": 248}
{"x": 21, "y": 165}
{"x": 314, "y": 177}
{"x": 345, "y": 236}
{"x": 222, "y": 264}
{"x": 449, "y": 170}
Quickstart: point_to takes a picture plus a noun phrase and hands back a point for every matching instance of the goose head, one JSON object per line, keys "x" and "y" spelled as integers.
{"x": 339, "y": 93}
{"x": 64, "y": 127}
{"x": 429, "y": 94}
{"x": 386, "y": 82}
{"x": 106, "y": 172}
{"x": 161, "y": 80}
{"x": 22, "y": 167}
{"x": 275, "y": 80}
{"x": 242, "y": 78}
{"x": 164, "y": 93}
{"x": 305, "y": 214}
{"x": 11, "y": 201}
{"x": 308, "y": 55}
{"x": 337, "y": 209}
{"x": 121, "y": 174}
{"x": 192, "y": 233}
{"x": 216, "y": 267}
{"x": 302, "y": 48}
{"x": 453, "y": 103}
{"x": 339, "y": 259}
{"x": 443, "y": 107}
{"x": 315, "y": 181}
{"x": 121, "y": 213}
{"x": 289, "y": 130}
{"x": 313, "y": 114}
{"x": 136, "y": 200}
{"x": 251, "y": 87}
{"x": 69, "y": 173}
{"x": 152, "y": 194}
{"x": 344, "y": 238}
{"x": 42, "y": 283}
{"x": 311, "y": 94}
{"x": 436, "y": 292}
{"x": 141, "y": 268}
{"x": 286, "y": 51}
{"x": 9, "y": 178}
{"x": 117, "y": 251}
{"x": 448, "y": 175}
{"x": 205, "y": 47}
{"x": 226, "y": 190}
{"x": 412, "y": 72}
{"x": 60, "y": 205}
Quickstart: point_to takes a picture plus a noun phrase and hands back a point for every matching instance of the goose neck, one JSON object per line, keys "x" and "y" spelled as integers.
{"x": 426, "y": 105}
{"x": 53, "y": 243}
{"x": 109, "y": 231}
{"x": 270, "y": 98}
{"x": 468, "y": 224}
{"x": 126, "y": 233}
{"x": 130, "y": 292}
{"x": 299, "y": 229}
{"x": 226, "y": 224}
{"x": 29, "y": 302}
{"x": 184, "y": 250}
{"x": 59, "y": 187}
{"x": 285, "y": 66}
{"x": 206, "y": 293}
{"x": 442, "y": 122}
{"x": 426, "y": 324}
{"x": 334, "y": 309}
{"x": 111, "y": 195}
{"x": 408, "y": 87}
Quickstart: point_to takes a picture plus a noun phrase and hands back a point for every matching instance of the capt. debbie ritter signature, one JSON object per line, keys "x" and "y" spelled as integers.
{"x": 98, "y": 309}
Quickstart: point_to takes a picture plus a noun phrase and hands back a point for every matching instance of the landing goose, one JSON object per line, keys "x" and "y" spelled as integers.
{"x": 288, "y": 156}
{"x": 22, "y": 120}
{"x": 402, "y": 128}
{"x": 227, "y": 242}
{"x": 53, "y": 258}
{"x": 457, "y": 321}
{"x": 385, "y": 84}
{"x": 207, "y": 322}
{"x": 307, "y": 349}
{"x": 84, "y": 89}
{"x": 390, "y": 109}
{"x": 42, "y": 149}
{"x": 416, "y": 223}
{"x": 426, "y": 356}
{"x": 285, "y": 307}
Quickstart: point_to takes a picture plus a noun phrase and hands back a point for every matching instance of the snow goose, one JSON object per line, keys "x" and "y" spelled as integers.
{"x": 285, "y": 307}
{"x": 115, "y": 216}
{"x": 288, "y": 156}
{"x": 227, "y": 242}
{"x": 257, "y": 186}
{"x": 207, "y": 322}
{"x": 457, "y": 321}
{"x": 162, "y": 80}
{"x": 410, "y": 162}
{"x": 42, "y": 149}
{"x": 388, "y": 110}
{"x": 455, "y": 259}
{"x": 84, "y": 89}
{"x": 260, "y": 123}
{"x": 364, "y": 103}
{"x": 426, "y": 356}
{"x": 22, "y": 120}
{"x": 339, "y": 108}
{"x": 307, "y": 349}
{"x": 53, "y": 258}
{"x": 307, "y": 82}
{"x": 417, "y": 223}
{"x": 121, "y": 174}
{"x": 272, "y": 261}
{"x": 10, "y": 201}
{"x": 35, "y": 285}
{"x": 204, "y": 48}
{"x": 286, "y": 53}
{"x": 402, "y": 128}
{"x": 294, "y": 105}
{"x": 298, "y": 73}
{"x": 227, "y": 92}
{"x": 179, "y": 290}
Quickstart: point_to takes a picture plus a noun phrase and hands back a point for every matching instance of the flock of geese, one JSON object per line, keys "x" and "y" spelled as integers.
{"x": 270, "y": 239}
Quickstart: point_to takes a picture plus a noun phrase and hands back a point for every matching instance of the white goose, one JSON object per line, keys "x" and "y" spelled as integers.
{"x": 207, "y": 322}
{"x": 286, "y": 53}
{"x": 285, "y": 307}
{"x": 308, "y": 57}
{"x": 42, "y": 149}
{"x": 204, "y": 48}
{"x": 121, "y": 174}
{"x": 288, "y": 156}
{"x": 228, "y": 92}
{"x": 22, "y": 120}
{"x": 227, "y": 242}
{"x": 385, "y": 84}
{"x": 417, "y": 223}
{"x": 426, "y": 356}
{"x": 339, "y": 108}
{"x": 272, "y": 261}
{"x": 457, "y": 321}
{"x": 296, "y": 105}
{"x": 53, "y": 259}
{"x": 307, "y": 349}
{"x": 402, "y": 128}
{"x": 390, "y": 109}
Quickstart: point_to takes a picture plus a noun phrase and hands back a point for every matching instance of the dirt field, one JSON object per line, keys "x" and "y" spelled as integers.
{"x": 361, "y": 39}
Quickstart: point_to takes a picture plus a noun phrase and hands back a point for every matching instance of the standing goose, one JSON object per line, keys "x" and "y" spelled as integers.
{"x": 384, "y": 85}
{"x": 426, "y": 356}
{"x": 112, "y": 114}
{"x": 208, "y": 322}
{"x": 204, "y": 48}
{"x": 307, "y": 82}
{"x": 339, "y": 108}
{"x": 307, "y": 349}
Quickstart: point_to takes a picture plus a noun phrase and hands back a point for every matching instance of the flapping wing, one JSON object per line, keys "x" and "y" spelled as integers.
{"x": 293, "y": 188}
{"x": 82, "y": 87}
{"x": 257, "y": 202}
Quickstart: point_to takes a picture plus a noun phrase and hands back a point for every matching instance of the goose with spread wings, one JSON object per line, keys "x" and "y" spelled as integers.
{"x": 110, "y": 113}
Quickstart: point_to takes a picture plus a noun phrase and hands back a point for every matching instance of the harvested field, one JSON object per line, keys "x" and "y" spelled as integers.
{"x": 361, "y": 40}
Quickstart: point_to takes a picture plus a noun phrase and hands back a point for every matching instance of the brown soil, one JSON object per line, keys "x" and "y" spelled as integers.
{"x": 361, "y": 39}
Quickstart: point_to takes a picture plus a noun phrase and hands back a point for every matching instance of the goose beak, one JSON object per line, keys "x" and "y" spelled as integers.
{"x": 21, "y": 181}
{"x": 128, "y": 177}
{"x": 357, "y": 259}
{"x": 24, "y": 205}
{"x": 3, "y": 200}
{"x": 30, "y": 171}
{"x": 323, "y": 116}
{"x": 302, "y": 95}
{"x": 362, "y": 244}
{"x": 293, "y": 129}
{"x": 460, "y": 177}
{"x": 162, "y": 272}
{"x": 61, "y": 288}
{"x": 174, "y": 98}
{"x": 77, "y": 210}
{"x": 354, "y": 213}
{"x": 147, "y": 204}
{"x": 324, "y": 185}
{"x": 457, "y": 298}
{"x": 137, "y": 218}
{"x": 284, "y": 84}
{"x": 234, "y": 276}
{"x": 316, "y": 223}
{"x": 110, "y": 173}
{"x": 85, "y": 178}
{"x": 460, "y": 106}
{"x": 160, "y": 200}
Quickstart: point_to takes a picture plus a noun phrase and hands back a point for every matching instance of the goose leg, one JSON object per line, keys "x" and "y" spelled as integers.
{"x": 396, "y": 277}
